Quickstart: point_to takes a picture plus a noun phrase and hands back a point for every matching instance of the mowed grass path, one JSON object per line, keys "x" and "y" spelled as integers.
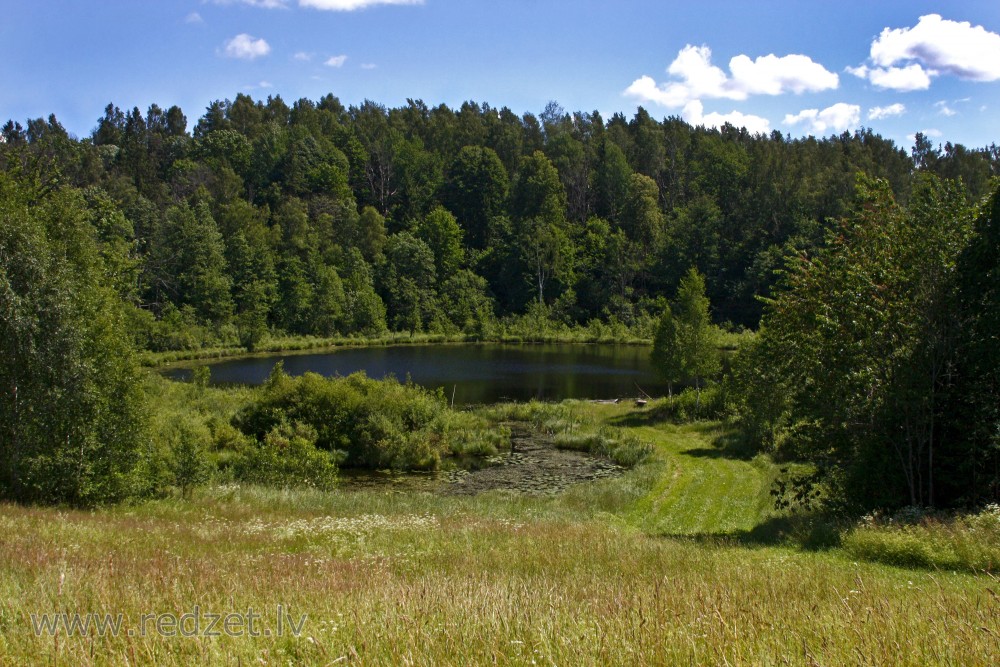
{"x": 699, "y": 489}
{"x": 592, "y": 576}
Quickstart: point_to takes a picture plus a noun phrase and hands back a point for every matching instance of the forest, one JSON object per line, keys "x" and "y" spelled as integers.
{"x": 865, "y": 274}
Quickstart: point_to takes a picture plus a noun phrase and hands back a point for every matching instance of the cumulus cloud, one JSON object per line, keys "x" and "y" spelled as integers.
{"x": 353, "y": 5}
{"x": 878, "y": 113}
{"x": 902, "y": 79}
{"x": 948, "y": 47}
{"x": 694, "y": 113}
{"x": 694, "y": 77}
{"x": 245, "y": 47}
{"x": 838, "y": 118}
{"x": 771, "y": 75}
{"x": 907, "y": 59}
{"x": 336, "y": 61}
{"x": 194, "y": 17}
{"x": 303, "y": 56}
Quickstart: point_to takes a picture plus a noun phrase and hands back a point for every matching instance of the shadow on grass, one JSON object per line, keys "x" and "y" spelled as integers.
{"x": 662, "y": 412}
{"x": 812, "y": 532}
{"x": 727, "y": 444}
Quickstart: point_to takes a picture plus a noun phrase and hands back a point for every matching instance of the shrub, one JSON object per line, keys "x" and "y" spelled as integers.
{"x": 288, "y": 457}
{"x": 189, "y": 439}
{"x": 377, "y": 423}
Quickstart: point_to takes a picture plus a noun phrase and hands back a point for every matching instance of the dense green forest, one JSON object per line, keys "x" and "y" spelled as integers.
{"x": 324, "y": 220}
{"x": 870, "y": 273}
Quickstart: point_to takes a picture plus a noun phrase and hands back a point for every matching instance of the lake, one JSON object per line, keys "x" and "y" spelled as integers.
{"x": 477, "y": 373}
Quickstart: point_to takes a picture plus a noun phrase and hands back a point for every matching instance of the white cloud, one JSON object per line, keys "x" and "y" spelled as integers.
{"x": 944, "y": 109}
{"x": 368, "y": 65}
{"x": 352, "y": 5}
{"x": 645, "y": 89}
{"x": 303, "y": 56}
{"x": 948, "y": 47}
{"x": 907, "y": 59}
{"x": 878, "y": 113}
{"x": 861, "y": 71}
{"x": 194, "y": 17}
{"x": 771, "y": 75}
{"x": 694, "y": 113}
{"x": 336, "y": 61}
{"x": 903, "y": 79}
{"x": 695, "y": 77}
{"x": 245, "y": 47}
{"x": 838, "y": 117}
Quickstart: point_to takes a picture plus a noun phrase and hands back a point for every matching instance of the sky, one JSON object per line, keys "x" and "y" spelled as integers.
{"x": 816, "y": 67}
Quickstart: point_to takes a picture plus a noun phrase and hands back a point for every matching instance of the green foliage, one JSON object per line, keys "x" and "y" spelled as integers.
{"x": 272, "y": 220}
{"x": 696, "y": 335}
{"x": 759, "y": 401}
{"x": 666, "y": 354}
{"x": 408, "y": 280}
{"x": 685, "y": 347}
{"x": 191, "y": 265}
{"x": 858, "y": 350}
{"x": 296, "y": 190}
{"x": 376, "y": 423}
{"x": 189, "y": 440}
{"x": 476, "y": 192}
{"x": 288, "y": 457}
{"x": 691, "y": 405}
{"x": 72, "y": 414}
{"x": 974, "y": 409}
{"x": 440, "y": 231}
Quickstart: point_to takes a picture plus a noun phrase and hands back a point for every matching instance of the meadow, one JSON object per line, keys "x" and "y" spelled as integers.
{"x": 680, "y": 560}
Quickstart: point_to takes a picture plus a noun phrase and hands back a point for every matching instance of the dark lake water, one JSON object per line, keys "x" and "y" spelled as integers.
{"x": 477, "y": 373}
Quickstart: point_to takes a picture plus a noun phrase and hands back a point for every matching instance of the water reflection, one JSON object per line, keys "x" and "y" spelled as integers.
{"x": 477, "y": 373}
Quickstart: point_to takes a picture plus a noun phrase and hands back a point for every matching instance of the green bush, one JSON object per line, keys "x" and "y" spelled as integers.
{"x": 189, "y": 439}
{"x": 377, "y": 423}
{"x": 288, "y": 457}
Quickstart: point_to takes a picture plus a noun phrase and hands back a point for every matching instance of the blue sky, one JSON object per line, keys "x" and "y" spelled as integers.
{"x": 816, "y": 67}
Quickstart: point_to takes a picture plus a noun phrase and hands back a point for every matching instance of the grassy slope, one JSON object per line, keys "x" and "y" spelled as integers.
{"x": 587, "y": 577}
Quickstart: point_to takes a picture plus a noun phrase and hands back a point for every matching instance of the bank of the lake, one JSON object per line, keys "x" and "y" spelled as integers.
{"x": 292, "y": 344}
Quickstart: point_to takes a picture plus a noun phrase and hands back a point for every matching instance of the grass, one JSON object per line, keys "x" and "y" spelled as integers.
{"x": 970, "y": 542}
{"x": 646, "y": 568}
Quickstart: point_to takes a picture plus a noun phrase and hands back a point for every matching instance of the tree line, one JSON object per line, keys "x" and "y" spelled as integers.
{"x": 320, "y": 219}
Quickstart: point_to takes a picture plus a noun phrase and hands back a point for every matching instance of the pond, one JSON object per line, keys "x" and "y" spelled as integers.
{"x": 475, "y": 373}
